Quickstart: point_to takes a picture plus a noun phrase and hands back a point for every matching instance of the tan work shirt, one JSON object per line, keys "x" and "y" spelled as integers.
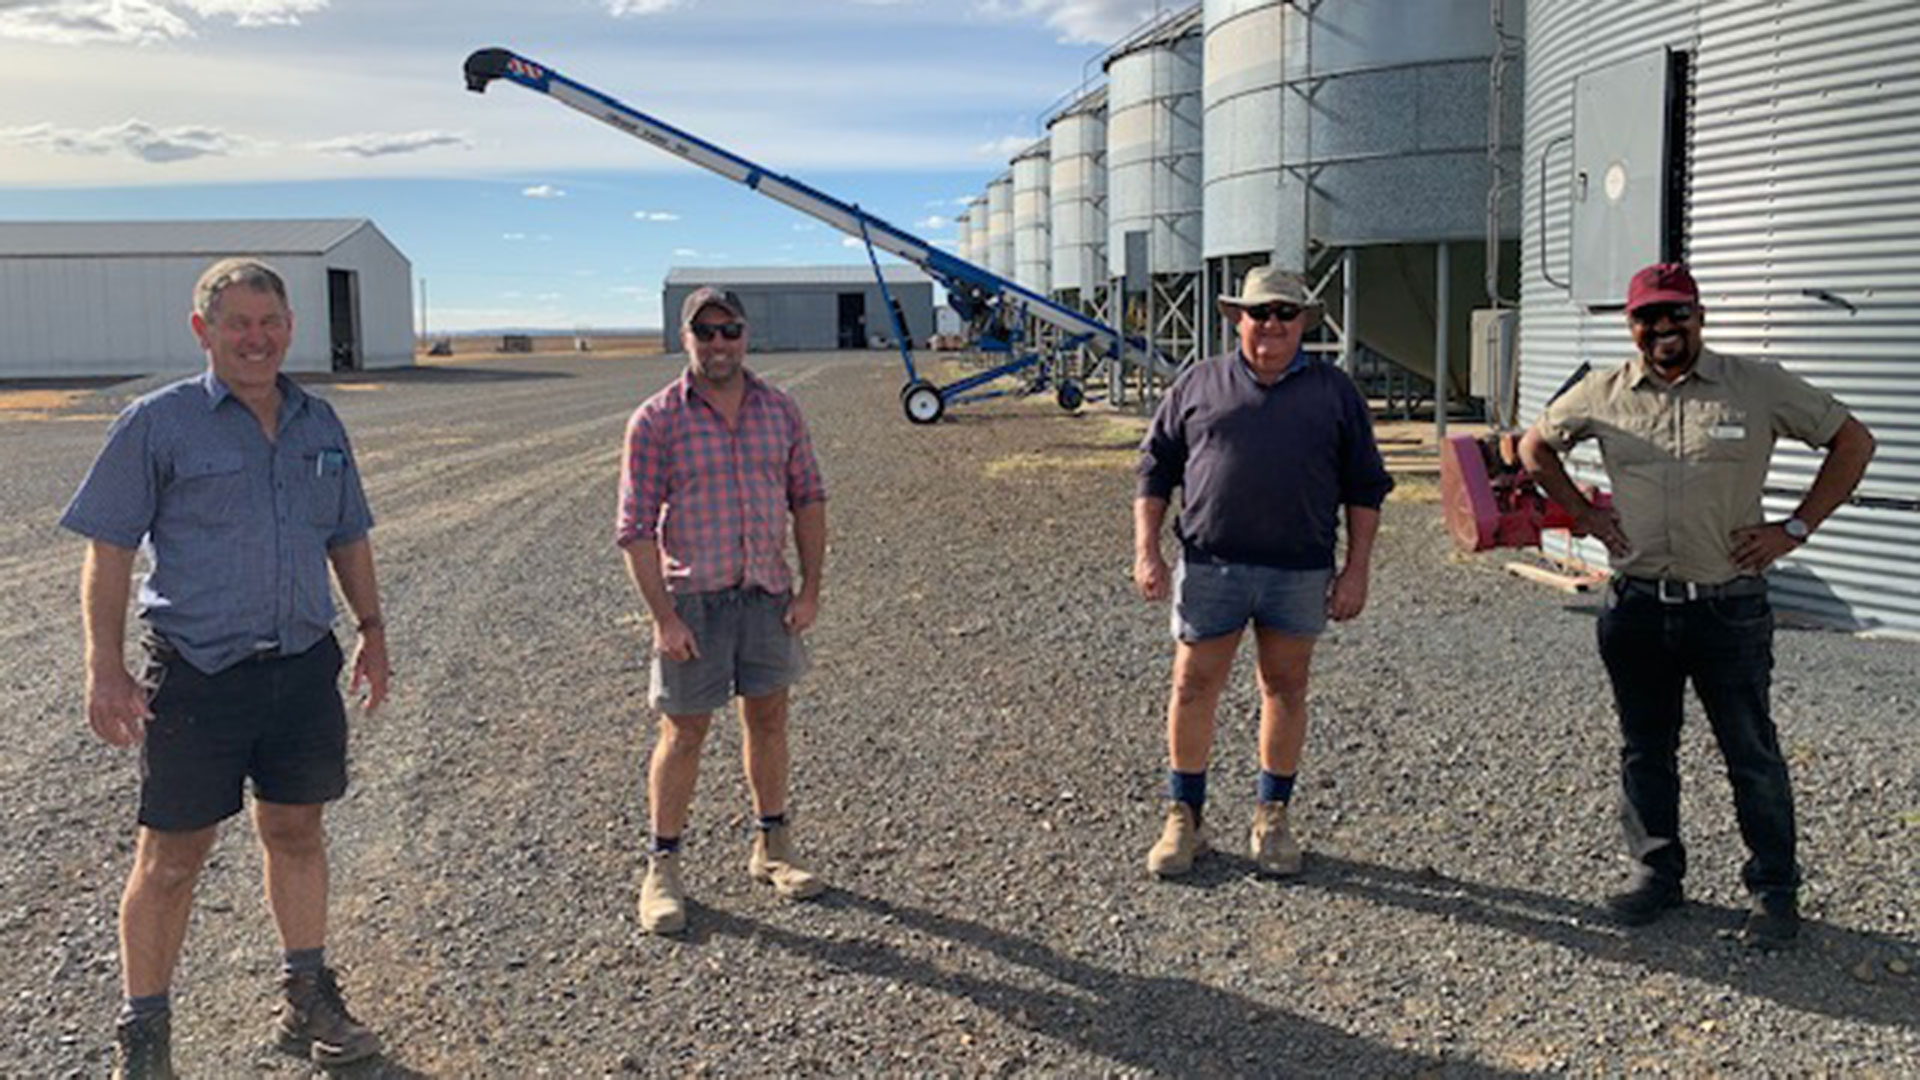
{"x": 1687, "y": 461}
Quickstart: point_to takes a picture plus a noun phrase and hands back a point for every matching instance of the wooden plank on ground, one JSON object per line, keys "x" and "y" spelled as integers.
{"x": 1570, "y": 583}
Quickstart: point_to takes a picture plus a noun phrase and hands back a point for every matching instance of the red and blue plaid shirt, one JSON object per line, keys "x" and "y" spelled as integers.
{"x": 717, "y": 500}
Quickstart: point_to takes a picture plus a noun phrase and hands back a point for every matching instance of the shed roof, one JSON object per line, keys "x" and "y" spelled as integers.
{"x": 58, "y": 239}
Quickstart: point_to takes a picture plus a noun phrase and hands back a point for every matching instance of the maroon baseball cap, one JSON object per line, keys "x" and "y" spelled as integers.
{"x": 710, "y": 296}
{"x": 1662, "y": 283}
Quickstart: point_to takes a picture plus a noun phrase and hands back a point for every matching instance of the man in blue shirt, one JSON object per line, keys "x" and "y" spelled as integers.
{"x": 1267, "y": 446}
{"x": 241, "y": 489}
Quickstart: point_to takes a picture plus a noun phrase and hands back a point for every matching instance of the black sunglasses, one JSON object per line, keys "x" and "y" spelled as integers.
{"x": 1284, "y": 312}
{"x": 729, "y": 330}
{"x": 1653, "y": 313}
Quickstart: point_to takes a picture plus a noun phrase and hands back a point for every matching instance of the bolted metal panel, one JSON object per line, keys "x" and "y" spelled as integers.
{"x": 1384, "y": 112}
{"x": 1153, "y": 146}
{"x": 963, "y": 234}
{"x": 1077, "y": 188}
{"x": 976, "y": 249}
{"x": 1032, "y": 217}
{"x": 1802, "y": 222}
{"x": 1000, "y": 226}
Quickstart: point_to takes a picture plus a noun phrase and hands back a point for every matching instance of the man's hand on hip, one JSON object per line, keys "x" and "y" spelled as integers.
{"x": 1150, "y": 576}
{"x": 801, "y": 611}
{"x": 1348, "y": 597}
{"x": 674, "y": 641}
{"x": 117, "y": 706}
{"x": 1756, "y": 547}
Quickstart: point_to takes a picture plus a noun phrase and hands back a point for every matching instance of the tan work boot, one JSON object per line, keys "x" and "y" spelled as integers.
{"x": 663, "y": 903}
{"x": 1182, "y": 840}
{"x": 1271, "y": 843}
{"x": 772, "y": 863}
{"x": 313, "y": 1021}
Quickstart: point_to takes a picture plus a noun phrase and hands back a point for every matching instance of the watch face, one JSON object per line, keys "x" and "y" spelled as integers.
{"x": 1796, "y": 528}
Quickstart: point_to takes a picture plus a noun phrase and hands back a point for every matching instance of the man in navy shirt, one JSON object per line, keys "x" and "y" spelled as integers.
{"x": 1267, "y": 446}
{"x": 241, "y": 489}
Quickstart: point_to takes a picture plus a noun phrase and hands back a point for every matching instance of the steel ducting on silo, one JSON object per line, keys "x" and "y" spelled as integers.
{"x": 1032, "y": 213}
{"x": 1078, "y": 190}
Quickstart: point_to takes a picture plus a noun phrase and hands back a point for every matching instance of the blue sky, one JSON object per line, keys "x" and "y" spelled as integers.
{"x": 515, "y": 209}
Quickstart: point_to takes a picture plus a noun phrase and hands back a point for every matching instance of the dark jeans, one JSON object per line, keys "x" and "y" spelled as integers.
{"x": 1725, "y": 646}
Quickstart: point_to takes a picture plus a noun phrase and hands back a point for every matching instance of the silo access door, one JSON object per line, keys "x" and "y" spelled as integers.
{"x": 1628, "y": 186}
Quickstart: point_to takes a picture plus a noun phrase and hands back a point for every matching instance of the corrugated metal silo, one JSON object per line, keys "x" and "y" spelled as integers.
{"x": 976, "y": 249}
{"x": 1776, "y": 148}
{"x": 1032, "y": 215}
{"x": 1078, "y": 190}
{"x": 963, "y": 234}
{"x": 1000, "y": 225}
{"x": 1153, "y": 168}
{"x": 1361, "y": 127}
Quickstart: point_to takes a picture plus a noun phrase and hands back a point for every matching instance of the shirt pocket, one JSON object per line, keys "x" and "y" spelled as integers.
{"x": 323, "y": 478}
{"x": 209, "y": 488}
{"x": 1719, "y": 433}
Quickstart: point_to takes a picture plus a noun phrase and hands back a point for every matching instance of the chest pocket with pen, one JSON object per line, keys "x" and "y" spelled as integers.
{"x": 323, "y": 480}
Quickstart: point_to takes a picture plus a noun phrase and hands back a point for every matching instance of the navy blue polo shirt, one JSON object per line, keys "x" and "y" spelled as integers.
{"x": 236, "y": 527}
{"x": 1265, "y": 469}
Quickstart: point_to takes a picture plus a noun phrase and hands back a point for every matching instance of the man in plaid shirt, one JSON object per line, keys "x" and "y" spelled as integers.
{"x": 714, "y": 464}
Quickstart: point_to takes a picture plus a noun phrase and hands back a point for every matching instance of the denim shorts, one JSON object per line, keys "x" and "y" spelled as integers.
{"x": 278, "y": 721}
{"x": 1215, "y": 598}
{"x": 744, "y": 647}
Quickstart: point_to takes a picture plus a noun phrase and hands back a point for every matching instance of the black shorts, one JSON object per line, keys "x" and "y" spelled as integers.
{"x": 279, "y": 721}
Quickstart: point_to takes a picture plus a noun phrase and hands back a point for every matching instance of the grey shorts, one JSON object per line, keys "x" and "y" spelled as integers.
{"x": 744, "y": 650}
{"x": 1215, "y": 598}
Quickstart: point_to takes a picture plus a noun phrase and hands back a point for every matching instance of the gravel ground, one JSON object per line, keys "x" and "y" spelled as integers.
{"x": 978, "y": 773}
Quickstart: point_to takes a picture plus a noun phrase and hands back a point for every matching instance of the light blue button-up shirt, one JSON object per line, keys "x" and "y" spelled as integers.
{"x": 237, "y": 527}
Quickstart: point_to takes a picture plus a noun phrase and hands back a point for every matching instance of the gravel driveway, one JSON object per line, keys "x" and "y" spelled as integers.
{"x": 978, "y": 772}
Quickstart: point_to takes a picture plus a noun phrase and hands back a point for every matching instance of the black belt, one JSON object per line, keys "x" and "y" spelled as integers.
{"x": 1668, "y": 591}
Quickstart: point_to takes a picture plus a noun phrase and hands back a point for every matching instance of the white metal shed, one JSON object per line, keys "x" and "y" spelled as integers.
{"x": 97, "y": 298}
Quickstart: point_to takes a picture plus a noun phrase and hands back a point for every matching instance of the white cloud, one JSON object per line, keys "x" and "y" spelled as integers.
{"x": 543, "y": 191}
{"x": 934, "y": 221}
{"x": 655, "y": 215}
{"x": 623, "y": 8}
{"x": 136, "y": 138}
{"x": 136, "y": 22}
{"x": 371, "y": 144}
{"x": 257, "y": 12}
{"x": 685, "y": 253}
{"x": 1095, "y": 22}
{"x": 852, "y": 242}
{"x": 1004, "y": 147}
{"x": 513, "y": 236}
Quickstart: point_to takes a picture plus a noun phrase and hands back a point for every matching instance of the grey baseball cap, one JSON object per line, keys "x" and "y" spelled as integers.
{"x": 710, "y": 296}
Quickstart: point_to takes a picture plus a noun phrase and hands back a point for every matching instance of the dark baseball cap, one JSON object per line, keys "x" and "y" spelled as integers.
{"x": 1662, "y": 283}
{"x": 710, "y": 296}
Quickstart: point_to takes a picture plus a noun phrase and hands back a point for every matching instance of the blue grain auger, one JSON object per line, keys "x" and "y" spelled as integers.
{"x": 996, "y": 310}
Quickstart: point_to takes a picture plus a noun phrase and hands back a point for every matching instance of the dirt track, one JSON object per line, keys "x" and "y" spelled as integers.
{"x": 978, "y": 773}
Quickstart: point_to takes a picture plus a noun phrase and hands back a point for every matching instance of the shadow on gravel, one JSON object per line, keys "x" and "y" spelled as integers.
{"x": 1165, "y": 1025}
{"x": 380, "y": 1068}
{"x": 1817, "y": 975}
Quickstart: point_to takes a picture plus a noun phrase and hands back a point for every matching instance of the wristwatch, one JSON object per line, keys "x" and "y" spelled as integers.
{"x": 1796, "y": 529}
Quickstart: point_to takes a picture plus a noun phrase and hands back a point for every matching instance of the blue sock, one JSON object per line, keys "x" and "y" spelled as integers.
{"x": 1189, "y": 788}
{"x": 1275, "y": 787}
{"x": 664, "y": 845}
{"x": 769, "y": 822}
{"x": 145, "y": 1007}
{"x": 303, "y": 961}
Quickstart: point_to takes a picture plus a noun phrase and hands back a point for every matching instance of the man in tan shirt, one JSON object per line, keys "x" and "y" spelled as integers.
{"x": 1686, "y": 435}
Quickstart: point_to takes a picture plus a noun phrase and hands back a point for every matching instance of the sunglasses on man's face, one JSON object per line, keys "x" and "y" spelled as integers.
{"x": 729, "y": 330}
{"x": 1284, "y": 312}
{"x": 1653, "y": 313}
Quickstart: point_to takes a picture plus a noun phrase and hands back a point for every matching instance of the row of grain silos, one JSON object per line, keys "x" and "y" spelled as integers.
{"x": 1377, "y": 146}
{"x": 1347, "y": 139}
